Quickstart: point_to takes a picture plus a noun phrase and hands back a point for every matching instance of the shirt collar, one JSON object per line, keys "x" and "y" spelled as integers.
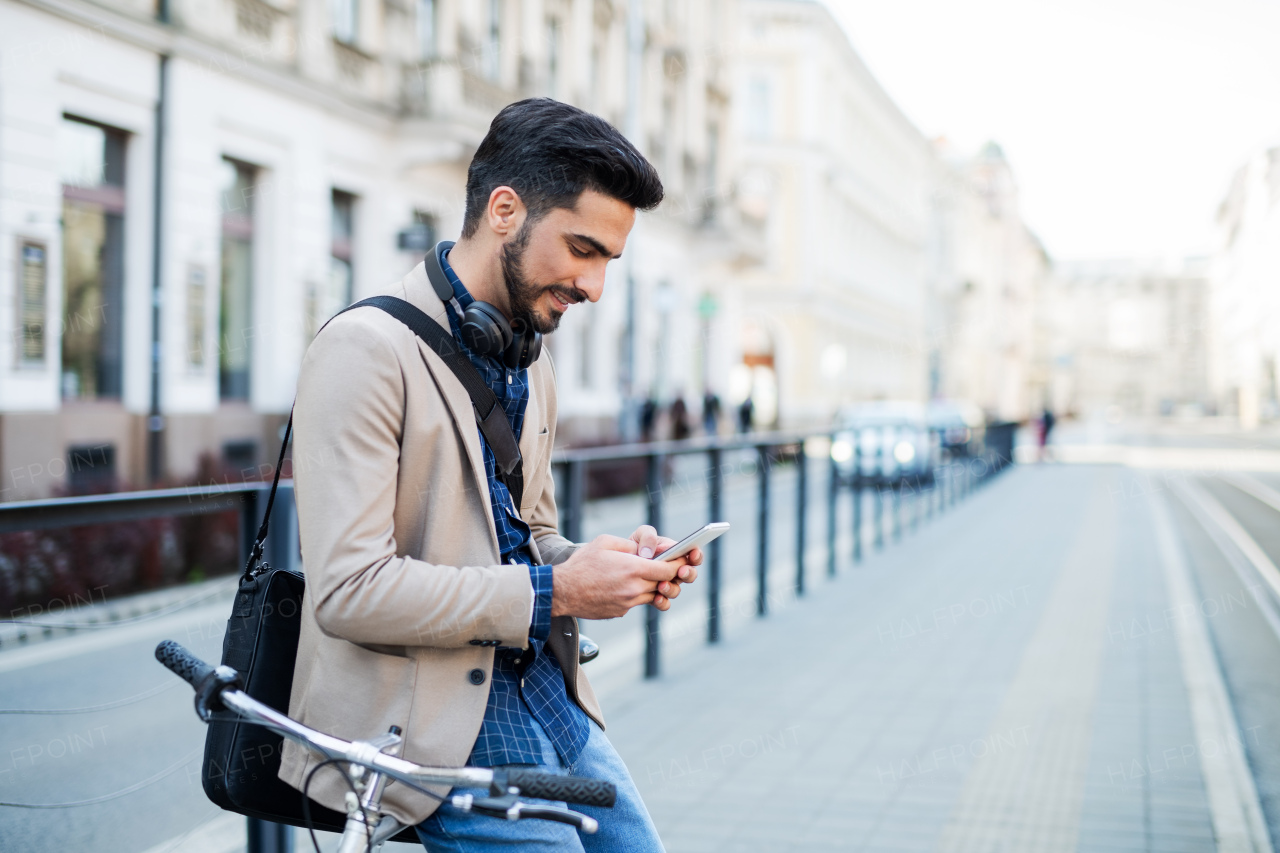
{"x": 460, "y": 293}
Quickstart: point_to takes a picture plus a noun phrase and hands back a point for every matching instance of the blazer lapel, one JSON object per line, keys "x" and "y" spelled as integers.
{"x": 418, "y": 292}
{"x": 533, "y": 424}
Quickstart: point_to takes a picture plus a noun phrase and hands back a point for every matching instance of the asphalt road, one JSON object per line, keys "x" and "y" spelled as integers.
{"x": 150, "y": 743}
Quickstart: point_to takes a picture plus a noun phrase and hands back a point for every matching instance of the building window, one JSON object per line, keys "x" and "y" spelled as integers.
{"x": 493, "y": 41}
{"x": 91, "y": 469}
{"x": 595, "y": 72}
{"x": 426, "y": 227}
{"x": 553, "y": 57}
{"x": 235, "y": 315}
{"x": 712, "y": 188}
{"x": 32, "y": 273}
{"x": 427, "y": 28}
{"x": 341, "y": 267}
{"x": 759, "y": 109}
{"x": 346, "y": 16}
{"x": 195, "y": 316}
{"x": 91, "y": 163}
{"x": 240, "y": 458}
{"x": 586, "y": 355}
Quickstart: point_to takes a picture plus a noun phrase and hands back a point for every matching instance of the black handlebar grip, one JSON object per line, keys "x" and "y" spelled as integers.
{"x": 182, "y": 663}
{"x": 569, "y": 789}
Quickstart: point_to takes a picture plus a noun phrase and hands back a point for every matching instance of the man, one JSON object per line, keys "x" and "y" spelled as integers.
{"x": 434, "y": 602}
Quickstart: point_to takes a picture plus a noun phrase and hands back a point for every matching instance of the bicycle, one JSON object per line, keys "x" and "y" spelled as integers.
{"x": 373, "y": 762}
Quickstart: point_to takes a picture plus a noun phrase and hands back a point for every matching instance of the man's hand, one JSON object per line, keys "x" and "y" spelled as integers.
{"x": 606, "y": 577}
{"x": 651, "y": 545}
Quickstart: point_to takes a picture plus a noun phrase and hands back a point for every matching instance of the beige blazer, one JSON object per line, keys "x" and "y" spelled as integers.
{"x": 400, "y": 551}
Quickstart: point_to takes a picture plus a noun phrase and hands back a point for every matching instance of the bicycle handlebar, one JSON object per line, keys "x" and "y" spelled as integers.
{"x": 182, "y": 663}
{"x": 570, "y": 789}
{"x": 218, "y": 687}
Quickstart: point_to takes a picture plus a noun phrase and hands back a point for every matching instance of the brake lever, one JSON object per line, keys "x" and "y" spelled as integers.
{"x": 574, "y": 819}
{"x": 509, "y": 807}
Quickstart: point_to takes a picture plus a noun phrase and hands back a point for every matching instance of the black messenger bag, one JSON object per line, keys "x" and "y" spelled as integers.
{"x": 242, "y": 760}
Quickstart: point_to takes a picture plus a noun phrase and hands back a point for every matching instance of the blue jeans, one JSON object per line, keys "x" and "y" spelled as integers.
{"x": 625, "y": 828}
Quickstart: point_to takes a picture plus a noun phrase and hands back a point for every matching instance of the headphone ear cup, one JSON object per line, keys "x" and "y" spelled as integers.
{"x": 525, "y": 347}
{"x": 484, "y": 329}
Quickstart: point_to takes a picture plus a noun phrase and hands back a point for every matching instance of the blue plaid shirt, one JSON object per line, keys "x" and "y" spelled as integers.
{"x": 527, "y": 684}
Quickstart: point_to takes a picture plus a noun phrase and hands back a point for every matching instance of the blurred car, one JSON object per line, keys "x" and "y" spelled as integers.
{"x": 959, "y": 424}
{"x": 888, "y": 441}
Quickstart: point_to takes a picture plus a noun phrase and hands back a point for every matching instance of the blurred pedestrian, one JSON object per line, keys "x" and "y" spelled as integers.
{"x": 1045, "y": 427}
{"x": 710, "y": 414}
{"x": 746, "y": 415}
{"x": 648, "y": 417}
{"x": 680, "y": 428}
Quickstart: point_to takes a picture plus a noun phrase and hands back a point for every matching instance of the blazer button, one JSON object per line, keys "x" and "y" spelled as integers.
{"x": 476, "y": 676}
{"x": 477, "y": 642}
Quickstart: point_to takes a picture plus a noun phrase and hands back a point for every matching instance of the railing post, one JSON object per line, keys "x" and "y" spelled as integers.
{"x": 575, "y": 494}
{"x": 833, "y": 491}
{"x": 933, "y": 474}
{"x": 267, "y": 837}
{"x": 762, "y": 564}
{"x": 897, "y": 510}
{"x": 880, "y": 481}
{"x": 714, "y": 513}
{"x": 944, "y": 468}
{"x": 953, "y": 479}
{"x": 857, "y": 496}
{"x": 802, "y": 492}
{"x": 249, "y": 522}
{"x": 651, "y": 613}
{"x": 898, "y": 483}
{"x": 282, "y": 539}
{"x": 916, "y": 491}
{"x": 263, "y": 836}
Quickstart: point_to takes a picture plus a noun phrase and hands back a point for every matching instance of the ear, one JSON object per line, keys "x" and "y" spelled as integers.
{"x": 506, "y": 212}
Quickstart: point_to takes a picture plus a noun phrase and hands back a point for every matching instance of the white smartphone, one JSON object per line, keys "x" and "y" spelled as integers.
{"x": 696, "y": 539}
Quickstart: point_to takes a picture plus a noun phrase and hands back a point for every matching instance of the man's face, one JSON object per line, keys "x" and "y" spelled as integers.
{"x": 560, "y": 259}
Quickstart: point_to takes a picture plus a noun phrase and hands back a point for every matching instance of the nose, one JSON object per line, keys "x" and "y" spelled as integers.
{"x": 592, "y": 283}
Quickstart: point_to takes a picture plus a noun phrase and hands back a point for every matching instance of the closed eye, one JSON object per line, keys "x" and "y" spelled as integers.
{"x": 578, "y": 253}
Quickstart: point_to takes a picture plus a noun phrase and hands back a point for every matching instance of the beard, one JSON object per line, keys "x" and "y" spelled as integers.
{"x": 523, "y": 296}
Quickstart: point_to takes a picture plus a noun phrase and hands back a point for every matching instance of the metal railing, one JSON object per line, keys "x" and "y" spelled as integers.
{"x": 947, "y": 474}
{"x": 249, "y": 499}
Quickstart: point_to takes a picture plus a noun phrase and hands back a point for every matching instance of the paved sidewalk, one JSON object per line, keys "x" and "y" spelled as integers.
{"x": 1006, "y": 679}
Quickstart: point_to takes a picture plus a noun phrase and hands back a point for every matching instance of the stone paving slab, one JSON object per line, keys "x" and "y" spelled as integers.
{"x": 989, "y": 684}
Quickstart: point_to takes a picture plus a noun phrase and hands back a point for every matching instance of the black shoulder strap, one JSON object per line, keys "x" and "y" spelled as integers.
{"x": 490, "y": 416}
{"x": 255, "y": 553}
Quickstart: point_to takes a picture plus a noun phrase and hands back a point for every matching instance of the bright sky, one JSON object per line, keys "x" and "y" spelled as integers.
{"x": 1124, "y": 120}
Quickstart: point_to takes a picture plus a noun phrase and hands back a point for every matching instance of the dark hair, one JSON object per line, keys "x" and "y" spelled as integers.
{"x": 549, "y": 152}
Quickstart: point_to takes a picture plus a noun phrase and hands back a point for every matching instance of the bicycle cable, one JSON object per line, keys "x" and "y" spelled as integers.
{"x": 306, "y": 803}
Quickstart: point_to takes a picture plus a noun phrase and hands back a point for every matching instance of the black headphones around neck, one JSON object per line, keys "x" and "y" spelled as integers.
{"x": 484, "y": 328}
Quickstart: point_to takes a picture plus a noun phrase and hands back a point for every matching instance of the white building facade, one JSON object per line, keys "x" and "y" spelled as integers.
{"x": 1245, "y": 303}
{"x": 1125, "y": 339}
{"x": 989, "y": 269}
{"x": 831, "y": 196}
{"x": 300, "y": 152}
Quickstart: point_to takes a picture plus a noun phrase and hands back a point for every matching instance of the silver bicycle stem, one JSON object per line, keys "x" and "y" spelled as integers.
{"x": 332, "y": 747}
